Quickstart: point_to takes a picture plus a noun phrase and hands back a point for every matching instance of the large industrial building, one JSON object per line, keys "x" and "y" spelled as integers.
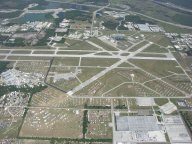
{"x": 176, "y": 130}
{"x": 136, "y": 129}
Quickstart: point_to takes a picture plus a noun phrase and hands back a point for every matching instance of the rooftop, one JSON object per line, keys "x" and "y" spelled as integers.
{"x": 136, "y": 123}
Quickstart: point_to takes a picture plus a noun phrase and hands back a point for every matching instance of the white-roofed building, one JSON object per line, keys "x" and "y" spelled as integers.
{"x": 137, "y": 129}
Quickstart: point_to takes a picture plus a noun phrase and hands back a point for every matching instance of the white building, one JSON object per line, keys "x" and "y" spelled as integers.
{"x": 137, "y": 129}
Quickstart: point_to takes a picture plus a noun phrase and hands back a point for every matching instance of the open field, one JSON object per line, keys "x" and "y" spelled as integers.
{"x": 33, "y": 66}
{"x": 10, "y": 129}
{"x": 52, "y": 123}
{"x": 131, "y": 90}
{"x": 52, "y": 97}
{"x": 161, "y": 101}
{"x": 99, "y": 124}
{"x": 161, "y": 40}
{"x": 155, "y": 49}
{"x": 101, "y": 62}
{"x": 164, "y": 89}
{"x": 65, "y": 85}
{"x": 81, "y": 46}
{"x": 70, "y": 61}
{"x": 4, "y": 51}
{"x": 142, "y": 81}
{"x": 159, "y": 68}
{"x": 151, "y": 55}
{"x": 73, "y": 52}
{"x": 108, "y": 84}
{"x": 138, "y": 46}
{"x": 20, "y": 52}
{"x": 31, "y": 58}
{"x": 25, "y": 141}
{"x": 102, "y": 44}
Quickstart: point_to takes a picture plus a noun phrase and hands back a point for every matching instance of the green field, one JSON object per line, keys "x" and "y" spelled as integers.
{"x": 98, "y": 62}
{"x": 155, "y": 49}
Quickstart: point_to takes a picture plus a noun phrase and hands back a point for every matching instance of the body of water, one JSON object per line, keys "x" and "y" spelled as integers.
{"x": 31, "y": 17}
{"x": 52, "y": 5}
{"x": 61, "y": 15}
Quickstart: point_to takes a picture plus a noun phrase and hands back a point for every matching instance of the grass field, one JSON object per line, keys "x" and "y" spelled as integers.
{"x": 73, "y": 53}
{"x": 132, "y": 82}
{"x": 9, "y": 130}
{"x": 111, "y": 84}
{"x": 131, "y": 90}
{"x": 4, "y": 51}
{"x": 103, "y": 84}
{"x": 138, "y": 46}
{"x": 161, "y": 101}
{"x": 65, "y": 85}
{"x": 31, "y": 141}
{"x": 98, "y": 62}
{"x": 161, "y": 40}
{"x": 158, "y": 67}
{"x": 103, "y": 53}
{"x": 66, "y": 66}
{"x": 33, "y": 66}
{"x": 155, "y": 49}
{"x": 69, "y": 61}
{"x": 180, "y": 81}
{"x": 164, "y": 89}
{"x": 88, "y": 73}
{"x": 50, "y": 123}
{"x": 28, "y": 58}
{"x": 43, "y": 52}
{"x": 151, "y": 55}
{"x": 52, "y": 97}
{"x": 82, "y": 46}
{"x": 102, "y": 44}
{"x": 125, "y": 64}
{"x": 21, "y": 52}
{"x": 99, "y": 124}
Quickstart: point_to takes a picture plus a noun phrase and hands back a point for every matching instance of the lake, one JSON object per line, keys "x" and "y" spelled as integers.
{"x": 31, "y": 17}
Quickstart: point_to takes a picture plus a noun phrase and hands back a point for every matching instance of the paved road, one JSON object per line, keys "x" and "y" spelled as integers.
{"x": 171, "y": 5}
{"x": 173, "y": 24}
{"x": 178, "y": 25}
{"x": 94, "y": 16}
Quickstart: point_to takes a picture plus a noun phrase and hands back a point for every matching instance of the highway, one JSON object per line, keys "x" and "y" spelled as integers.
{"x": 156, "y": 19}
{"x": 166, "y": 22}
{"x": 171, "y": 5}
